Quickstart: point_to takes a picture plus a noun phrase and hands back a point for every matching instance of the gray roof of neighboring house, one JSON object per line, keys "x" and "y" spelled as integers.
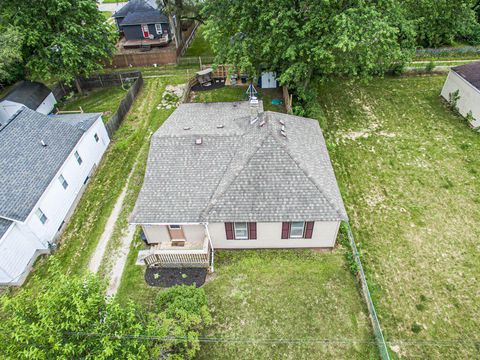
{"x": 26, "y": 166}
{"x": 240, "y": 172}
{"x": 135, "y": 5}
{"x": 470, "y": 72}
{"x": 31, "y": 94}
{"x": 144, "y": 17}
{"x": 4, "y": 225}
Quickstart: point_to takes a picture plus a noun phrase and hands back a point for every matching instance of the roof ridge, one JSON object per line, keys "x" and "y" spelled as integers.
{"x": 305, "y": 172}
{"x": 210, "y": 204}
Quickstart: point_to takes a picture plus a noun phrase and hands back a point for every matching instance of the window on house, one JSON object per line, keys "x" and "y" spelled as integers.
{"x": 96, "y": 137}
{"x": 63, "y": 181}
{"x": 296, "y": 229}
{"x": 158, "y": 28}
{"x": 41, "y": 216}
{"x": 174, "y": 226}
{"x": 79, "y": 158}
{"x": 241, "y": 230}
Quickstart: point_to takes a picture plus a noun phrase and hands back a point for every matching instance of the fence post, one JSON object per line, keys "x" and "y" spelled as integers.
{"x": 377, "y": 330}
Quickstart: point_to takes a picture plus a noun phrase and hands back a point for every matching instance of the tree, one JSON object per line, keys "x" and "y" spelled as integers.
{"x": 70, "y": 318}
{"x": 181, "y": 10}
{"x": 10, "y": 53}
{"x": 62, "y": 39}
{"x": 303, "y": 39}
{"x": 441, "y": 22}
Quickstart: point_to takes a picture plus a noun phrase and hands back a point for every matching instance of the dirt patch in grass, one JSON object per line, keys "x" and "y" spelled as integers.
{"x": 411, "y": 188}
{"x": 168, "y": 277}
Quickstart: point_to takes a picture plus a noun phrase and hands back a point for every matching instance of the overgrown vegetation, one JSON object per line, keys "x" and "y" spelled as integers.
{"x": 74, "y": 319}
{"x": 200, "y": 46}
{"x": 409, "y": 174}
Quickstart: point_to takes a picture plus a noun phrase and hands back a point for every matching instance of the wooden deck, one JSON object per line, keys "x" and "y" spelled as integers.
{"x": 129, "y": 44}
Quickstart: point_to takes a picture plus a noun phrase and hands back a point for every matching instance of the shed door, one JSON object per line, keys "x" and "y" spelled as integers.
{"x": 146, "y": 32}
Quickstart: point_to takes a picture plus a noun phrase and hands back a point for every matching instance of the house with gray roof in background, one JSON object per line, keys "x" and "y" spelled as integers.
{"x": 232, "y": 176}
{"x": 45, "y": 162}
{"x": 464, "y": 82}
{"x": 34, "y": 95}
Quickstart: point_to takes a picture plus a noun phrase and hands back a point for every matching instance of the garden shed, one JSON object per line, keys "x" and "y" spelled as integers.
{"x": 465, "y": 80}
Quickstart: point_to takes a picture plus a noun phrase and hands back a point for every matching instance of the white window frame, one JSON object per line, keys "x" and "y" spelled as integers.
{"x": 240, "y": 237}
{"x": 145, "y": 29}
{"x": 297, "y": 235}
{"x": 79, "y": 158}
{"x": 158, "y": 29}
{"x": 41, "y": 216}
{"x": 95, "y": 136}
{"x": 63, "y": 181}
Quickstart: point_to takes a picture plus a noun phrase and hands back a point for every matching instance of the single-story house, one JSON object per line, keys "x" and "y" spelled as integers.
{"x": 232, "y": 176}
{"x": 34, "y": 95}
{"x": 466, "y": 80}
{"x": 142, "y": 19}
{"x": 45, "y": 162}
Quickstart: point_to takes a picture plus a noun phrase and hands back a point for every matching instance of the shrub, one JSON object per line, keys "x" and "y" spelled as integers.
{"x": 453, "y": 98}
{"x": 430, "y": 67}
{"x": 416, "y": 328}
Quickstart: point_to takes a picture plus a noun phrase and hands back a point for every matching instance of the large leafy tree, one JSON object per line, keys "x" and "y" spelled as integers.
{"x": 10, "y": 53}
{"x": 309, "y": 38}
{"x": 440, "y": 22}
{"x": 61, "y": 38}
{"x": 70, "y": 318}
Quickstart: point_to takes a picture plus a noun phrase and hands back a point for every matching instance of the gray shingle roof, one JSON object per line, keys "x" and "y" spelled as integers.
{"x": 240, "y": 172}
{"x": 31, "y": 94}
{"x": 470, "y": 72}
{"x": 135, "y": 5}
{"x": 144, "y": 17}
{"x": 4, "y": 225}
{"x": 27, "y": 167}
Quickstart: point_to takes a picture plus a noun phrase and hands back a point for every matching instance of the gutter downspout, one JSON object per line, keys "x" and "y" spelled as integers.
{"x": 211, "y": 246}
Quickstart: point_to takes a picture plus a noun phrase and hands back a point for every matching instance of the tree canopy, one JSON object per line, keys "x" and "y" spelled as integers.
{"x": 306, "y": 38}
{"x": 60, "y": 38}
{"x": 70, "y": 318}
{"x": 10, "y": 53}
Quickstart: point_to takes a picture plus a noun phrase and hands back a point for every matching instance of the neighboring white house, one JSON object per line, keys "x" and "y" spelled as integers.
{"x": 466, "y": 80}
{"x": 230, "y": 176}
{"x": 34, "y": 95}
{"x": 45, "y": 162}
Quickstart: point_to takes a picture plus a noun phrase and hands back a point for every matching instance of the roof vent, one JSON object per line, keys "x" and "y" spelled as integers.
{"x": 284, "y": 134}
{"x": 263, "y": 122}
{"x": 187, "y": 128}
{"x": 43, "y": 143}
{"x": 220, "y": 126}
{"x": 283, "y": 128}
{"x": 198, "y": 141}
{"x": 281, "y": 122}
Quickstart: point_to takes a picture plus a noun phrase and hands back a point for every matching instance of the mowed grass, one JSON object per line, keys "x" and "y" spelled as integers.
{"x": 199, "y": 46}
{"x": 238, "y": 93}
{"x": 104, "y": 100}
{"x": 88, "y": 221}
{"x": 285, "y": 304}
{"x": 409, "y": 171}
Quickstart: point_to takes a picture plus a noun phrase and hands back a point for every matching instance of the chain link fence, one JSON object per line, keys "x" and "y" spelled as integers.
{"x": 377, "y": 330}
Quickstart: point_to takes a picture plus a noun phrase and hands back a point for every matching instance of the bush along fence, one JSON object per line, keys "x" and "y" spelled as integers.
{"x": 447, "y": 51}
{"x": 357, "y": 268}
{"x": 113, "y": 124}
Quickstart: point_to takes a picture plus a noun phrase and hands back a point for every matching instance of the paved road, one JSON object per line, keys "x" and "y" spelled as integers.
{"x": 110, "y": 6}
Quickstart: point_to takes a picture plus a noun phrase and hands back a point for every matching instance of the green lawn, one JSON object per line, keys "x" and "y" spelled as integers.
{"x": 237, "y": 93}
{"x": 267, "y": 300}
{"x": 104, "y": 100}
{"x": 107, "y": 14}
{"x": 409, "y": 170}
{"x": 199, "y": 46}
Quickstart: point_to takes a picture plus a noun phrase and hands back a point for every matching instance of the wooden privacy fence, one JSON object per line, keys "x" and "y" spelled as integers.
{"x": 168, "y": 56}
{"x": 113, "y": 124}
{"x": 108, "y": 80}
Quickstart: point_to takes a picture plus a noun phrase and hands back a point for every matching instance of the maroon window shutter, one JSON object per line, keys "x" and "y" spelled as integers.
{"x": 252, "y": 231}
{"x": 285, "y": 230}
{"x": 229, "y": 230}
{"x": 309, "y": 229}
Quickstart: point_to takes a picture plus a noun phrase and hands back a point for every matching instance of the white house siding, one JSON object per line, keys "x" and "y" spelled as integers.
{"x": 19, "y": 248}
{"x": 47, "y": 105}
{"x": 268, "y": 236}
{"x": 56, "y": 201}
{"x": 7, "y": 109}
{"x": 469, "y": 96}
